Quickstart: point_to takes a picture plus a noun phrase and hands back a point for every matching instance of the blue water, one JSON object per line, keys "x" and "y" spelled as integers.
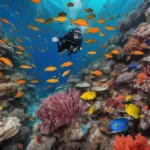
{"x": 29, "y": 11}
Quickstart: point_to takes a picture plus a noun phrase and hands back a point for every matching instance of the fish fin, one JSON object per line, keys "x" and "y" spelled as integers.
{"x": 54, "y": 19}
{"x": 72, "y": 21}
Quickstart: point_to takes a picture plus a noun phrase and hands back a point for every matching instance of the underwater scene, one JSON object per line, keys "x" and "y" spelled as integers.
{"x": 74, "y": 74}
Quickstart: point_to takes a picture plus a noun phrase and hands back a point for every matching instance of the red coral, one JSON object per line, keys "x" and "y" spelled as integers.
{"x": 60, "y": 109}
{"x": 127, "y": 143}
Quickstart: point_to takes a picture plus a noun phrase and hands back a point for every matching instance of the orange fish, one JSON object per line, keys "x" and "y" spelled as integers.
{"x": 115, "y": 52}
{"x": 91, "y": 52}
{"x": 6, "y": 61}
{"x": 36, "y": 1}
{"x": 1, "y": 74}
{"x": 21, "y": 82}
{"x": 109, "y": 28}
{"x": 145, "y": 107}
{"x": 31, "y": 119}
{"x": 25, "y": 67}
{"x": 101, "y": 21}
{"x": 19, "y": 53}
{"x": 141, "y": 77}
{"x": 114, "y": 74}
{"x": 40, "y": 20}
{"x": 5, "y": 21}
{"x": 80, "y": 22}
{"x": 102, "y": 34}
{"x": 97, "y": 73}
{"x": 137, "y": 53}
{"x": 92, "y": 30}
{"x": 19, "y": 94}
{"x": 1, "y": 41}
{"x": 128, "y": 58}
{"x": 19, "y": 40}
{"x": 34, "y": 81}
{"x": 109, "y": 56}
{"x": 66, "y": 73}
{"x": 21, "y": 48}
{"x": 19, "y": 146}
{"x": 90, "y": 41}
{"x": 67, "y": 64}
{"x": 38, "y": 139}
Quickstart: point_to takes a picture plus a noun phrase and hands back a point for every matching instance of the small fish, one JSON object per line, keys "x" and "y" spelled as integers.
{"x": 21, "y": 48}
{"x": 109, "y": 28}
{"x": 42, "y": 51}
{"x": 85, "y": 128}
{"x": 92, "y": 30}
{"x": 19, "y": 94}
{"x": 80, "y": 22}
{"x": 6, "y": 61}
{"x": 21, "y": 82}
{"x": 66, "y": 73}
{"x": 25, "y": 67}
{"x": 60, "y": 19}
{"x": 5, "y": 20}
{"x": 129, "y": 97}
{"x": 101, "y": 21}
{"x": 114, "y": 74}
{"x": 1, "y": 107}
{"x": 38, "y": 139}
{"x": 88, "y": 10}
{"x": 40, "y": 20}
{"x": 109, "y": 56}
{"x": 49, "y": 20}
{"x": 90, "y": 95}
{"x": 115, "y": 52}
{"x": 91, "y": 53}
{"x": 36, "y": 1}
{"x": 90, "y": 41}
{"x": 34, "y": 81}
{"x": 137, "y": 53}
{"x": 67, "y": 64}
{"x": 53, "y": 80}
{"x": 97, "y": 73}
{"x": 51, "y": 68}
{"x": 145, "y": 107}
{"x": 62, "y": 14}
{"x": 19, "y": 40}
{"x": 20, "y": 146}
{"x": 102, "y": 34}
{"x": 127, "y": 15}
{"x": 91, "y": 16}
{"x": 91, "y": 110}
{"x": 70, "y": 4}
{"x": 133, "y": 66}
{"x": 33, "y": 28}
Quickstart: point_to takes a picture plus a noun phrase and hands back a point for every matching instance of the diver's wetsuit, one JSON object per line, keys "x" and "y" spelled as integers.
{"x": 69, "y": 42}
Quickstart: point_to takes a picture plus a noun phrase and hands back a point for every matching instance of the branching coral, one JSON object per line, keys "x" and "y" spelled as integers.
{"x": 60, "y": 109}
{"x": 127, "y": 143}
{"x": 125, "y": 77}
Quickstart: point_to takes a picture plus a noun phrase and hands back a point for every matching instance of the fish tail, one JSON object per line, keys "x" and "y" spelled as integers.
{"x": 54, "y": 19}
{"x": 72, "y": 21}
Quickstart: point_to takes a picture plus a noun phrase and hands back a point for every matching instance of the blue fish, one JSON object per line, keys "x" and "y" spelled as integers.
{"x": 85, "y": 128}
{"x": 133, "y": 66}
{"x": 119, "y": 125}
{"x": 148, "y": 42}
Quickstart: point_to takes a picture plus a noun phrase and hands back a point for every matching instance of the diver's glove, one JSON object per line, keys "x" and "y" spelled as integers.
{"x": 55, "y": 39}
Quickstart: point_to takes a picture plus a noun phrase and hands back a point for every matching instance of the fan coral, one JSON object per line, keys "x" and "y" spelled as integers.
{"x": 125, "y": 77}
{"x": 60, "y": 109}
{"x": 124, "y": 143}
{"x": 9, "y": 128}
{"x": 132, "y": 45}
{"x": 18, "y": 113}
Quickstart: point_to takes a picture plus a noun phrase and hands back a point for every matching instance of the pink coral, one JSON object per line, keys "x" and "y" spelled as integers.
{"x": 60, "y": 109}
{"x": 127, "y": 143}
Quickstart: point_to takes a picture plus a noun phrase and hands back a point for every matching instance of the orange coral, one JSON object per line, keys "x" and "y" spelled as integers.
{"x": 127, "y": 143}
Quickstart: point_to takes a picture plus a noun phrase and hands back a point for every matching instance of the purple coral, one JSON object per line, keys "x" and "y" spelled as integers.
{"x": 125, "y": 77}
{"x": 60, "y": 109}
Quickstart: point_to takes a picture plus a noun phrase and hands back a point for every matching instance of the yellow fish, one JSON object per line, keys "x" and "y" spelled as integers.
{"x": 40, "y": 20}
{"x": 50, "y": 68}
{"x": 19, "y": 53}
{"x": 109, "y": 28}
{"x": 60, "y": 19}
{"x": 129, "y": 97}
{"x": 53, "y": 80}
{"x": 1, "y": 107}
{"x": 66, "y": 73}
{"x": 132, "y": 110}
{"x": 91, "y": 110}
{"x": 92, "y": 30}
{"x": 6, "y": 61}
{"x": 25, "y": 67}
{"x": 90, "y": 95}
{"x": 91, "y": 52}
{"x": 34, "y": 81}
{"x": 101, "y": 21}
{"x": 102, "y": 34}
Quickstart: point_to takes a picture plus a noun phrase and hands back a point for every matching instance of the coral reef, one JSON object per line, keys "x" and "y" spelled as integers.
{"x": 51, "y": 108}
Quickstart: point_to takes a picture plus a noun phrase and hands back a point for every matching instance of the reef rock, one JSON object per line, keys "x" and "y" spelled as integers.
{"x": 9, "y": 128}
{"x": 147, "y": 14}
{"x": 106, "y": 69}
{"x": 104, "y": 87}
{"x": 82, "y": 85}
{"x": 47, "y": 143}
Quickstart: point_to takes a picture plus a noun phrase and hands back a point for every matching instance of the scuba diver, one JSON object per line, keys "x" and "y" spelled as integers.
{"x": 71, "y": 41}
